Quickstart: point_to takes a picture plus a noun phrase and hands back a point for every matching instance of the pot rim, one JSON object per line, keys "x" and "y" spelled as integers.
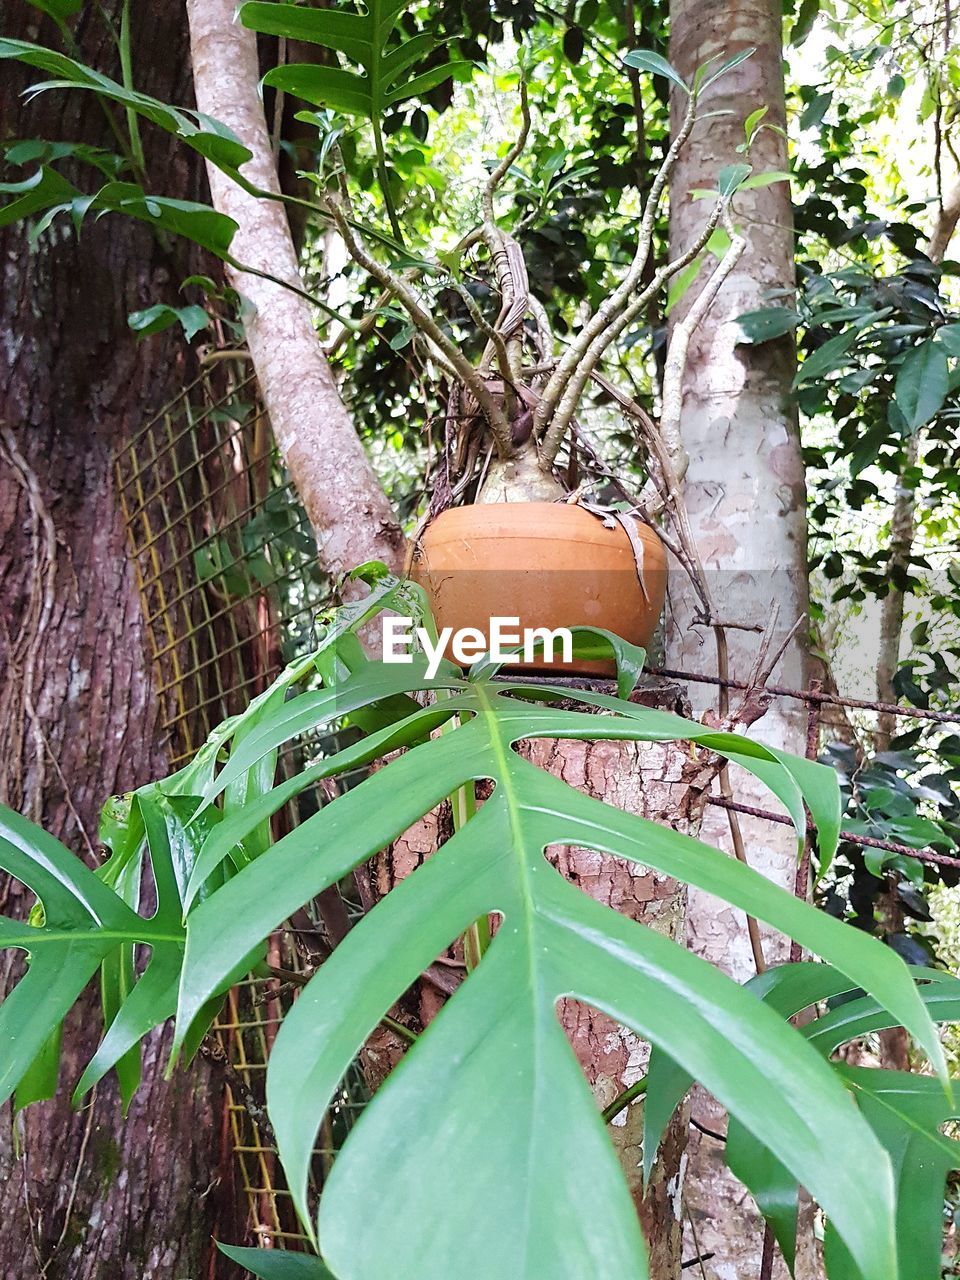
{"x": 495, "y": 510}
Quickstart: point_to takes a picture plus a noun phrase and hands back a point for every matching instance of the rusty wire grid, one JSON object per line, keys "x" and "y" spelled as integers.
{"x": 225, "y": 560}
{"x": 226, "y": 567}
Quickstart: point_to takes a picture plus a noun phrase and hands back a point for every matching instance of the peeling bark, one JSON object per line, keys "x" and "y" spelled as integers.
{"x": 746, "y": 497}
{"x": 348, "y": 509}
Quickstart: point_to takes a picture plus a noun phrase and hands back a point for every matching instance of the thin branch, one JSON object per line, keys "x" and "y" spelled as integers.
{"x": 610, "y": 308}
{"x": 486, "y": 328}
{"x": 498, "y": 174}
{"x": 594, "y": 353}
{"x": 427, "y": 325}
{"x": 508, "y": 262}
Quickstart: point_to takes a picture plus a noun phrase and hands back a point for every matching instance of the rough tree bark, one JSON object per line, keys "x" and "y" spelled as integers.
{"x": 346, "y": 504}
{"x": 746, "y": 498}
{"x": 88, "y": 1196}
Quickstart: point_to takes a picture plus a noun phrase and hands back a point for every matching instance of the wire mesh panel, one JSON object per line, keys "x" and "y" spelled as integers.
{"x": 225, "y": 559}
{"x": 226, "y": 566}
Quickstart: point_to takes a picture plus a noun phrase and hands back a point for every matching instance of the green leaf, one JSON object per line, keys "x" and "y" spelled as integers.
{"x": 45, "y": 189}
{"x": 752, "y": 120}
{"x": 647, "y": 60}
{"x": 494, "y": 864}
{"x": 806, "y": 16}
{"x": 923, "y": 381}
{"x": 906, "y": 1112}
{"x": 705, "y": 77}
{"x": 949, "y": 336}
{"x": 39, "y": 1082}
{"x": 197, "y": 222}
{"x": 227, "y": 835}
{"x": 769, "y": 1181}
{"x": 84, "y": 922}
{"x": 790, "y": 989}
{"x": 827, "y": 359}
{"x": 213, "y": 140}
{"x": 276, "y": 1264}
{"x": 363, "y": 39}
{"x": 161, "y": 316}
{"x": 767, "y": 324}
{"x": 59, "y": 9}
{"x": 731, "y": 178}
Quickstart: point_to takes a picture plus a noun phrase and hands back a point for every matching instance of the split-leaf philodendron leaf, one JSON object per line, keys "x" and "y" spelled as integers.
{"x": 486, "y": 1141}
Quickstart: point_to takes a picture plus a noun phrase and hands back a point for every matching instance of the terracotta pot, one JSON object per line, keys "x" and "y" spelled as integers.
{"x": 549, "y": 564}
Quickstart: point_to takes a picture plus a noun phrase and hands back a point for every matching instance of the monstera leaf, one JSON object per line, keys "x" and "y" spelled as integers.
{"x": 213, "y": 140}
{"x": 85, "y": 920}
{"x": 487, "y": 1134}
{"x": 905, "y": 1111}
{"x": 270, "y": 1264}
{"x": 362, "y": 38}
{"x": 84, "y": 923}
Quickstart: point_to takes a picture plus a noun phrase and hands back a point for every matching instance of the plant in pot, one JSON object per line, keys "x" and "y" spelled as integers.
{"x": 526, "y": 521}
{"x": 486, "y": 1140}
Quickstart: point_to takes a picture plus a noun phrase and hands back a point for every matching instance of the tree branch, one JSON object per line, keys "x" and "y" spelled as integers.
{"x": 594, "y": 353}
{"x": 354, "y": 522}
{"x": 425, "y": 322}
{"x": 611, "y": 307}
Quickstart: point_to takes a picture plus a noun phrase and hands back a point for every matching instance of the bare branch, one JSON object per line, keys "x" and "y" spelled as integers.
{"x": 427, "y": 325}
{"x": 493, "y": 335}
{"x": 505, "y": 253}
{"x": 544, "y": 334}
{"x": 500, "y": 172}
{"x": 614, "y": 304}
{"x": 594, "y": 353}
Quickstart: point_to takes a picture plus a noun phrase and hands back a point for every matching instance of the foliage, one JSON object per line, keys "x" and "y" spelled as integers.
{"x": 906, "y": 1112}
{"x": 492, "y": 1089}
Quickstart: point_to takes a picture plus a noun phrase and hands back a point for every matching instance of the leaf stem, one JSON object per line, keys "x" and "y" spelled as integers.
{"x": 463, "y": 806}
{"x": 636, "y": 1090}
{"x": 126, "y": 71}
{"x": 383, "y": 181}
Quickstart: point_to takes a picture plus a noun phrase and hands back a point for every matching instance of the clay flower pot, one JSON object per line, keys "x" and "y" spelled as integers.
{"x": 549, "y": 564}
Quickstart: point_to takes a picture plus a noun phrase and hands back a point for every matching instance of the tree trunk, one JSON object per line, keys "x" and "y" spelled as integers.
{"x": 745, "y": 493}
{"x": 87, "y": 1196}
{"x": 336, "y": 482}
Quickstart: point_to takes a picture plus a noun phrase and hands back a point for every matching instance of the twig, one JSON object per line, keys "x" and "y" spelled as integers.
{"x": 594, "y": 352}
{"x": 427, "y": 325}
{"x": 614, "y": 303}
{"x": 508, "y": 262}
